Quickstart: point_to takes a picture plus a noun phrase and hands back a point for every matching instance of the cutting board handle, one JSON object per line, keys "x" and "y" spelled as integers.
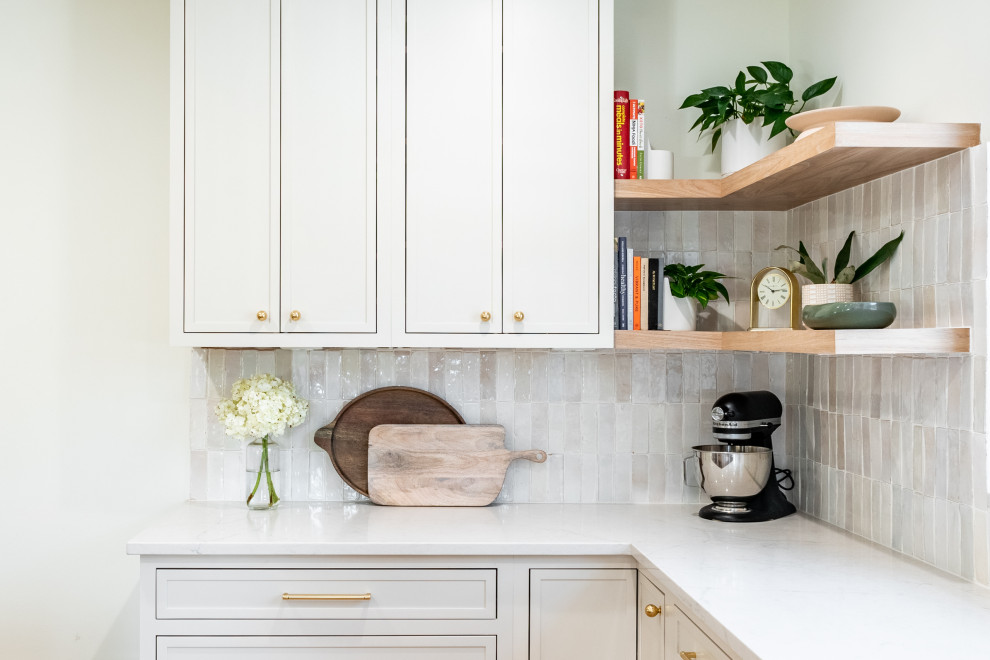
{"x": 535, "y": 455}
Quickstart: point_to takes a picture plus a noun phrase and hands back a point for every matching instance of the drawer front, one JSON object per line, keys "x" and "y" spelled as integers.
{"x": 685, "y": 638}
{"x": 465, "y": 647}
{"x": 258, "y": 594}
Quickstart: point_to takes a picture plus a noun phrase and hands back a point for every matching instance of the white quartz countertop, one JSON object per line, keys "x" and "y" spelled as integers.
{"x": 790, "y": 589}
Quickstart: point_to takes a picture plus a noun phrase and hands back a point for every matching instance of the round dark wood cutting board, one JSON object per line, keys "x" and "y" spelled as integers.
{"x": 346, "y": 437}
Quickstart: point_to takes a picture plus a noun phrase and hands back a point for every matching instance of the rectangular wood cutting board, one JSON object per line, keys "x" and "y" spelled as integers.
{"x": 439, "y": 465}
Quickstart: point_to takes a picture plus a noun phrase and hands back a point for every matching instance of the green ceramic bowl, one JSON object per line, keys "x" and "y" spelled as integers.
{"x": 849, "y": 315}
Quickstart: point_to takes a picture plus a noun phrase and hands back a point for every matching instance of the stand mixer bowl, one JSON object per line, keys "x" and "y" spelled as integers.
{"x": 731, "y": 474}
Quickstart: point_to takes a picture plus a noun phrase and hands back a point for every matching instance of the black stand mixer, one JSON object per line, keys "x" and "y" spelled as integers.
{"x": 732, "y": 475}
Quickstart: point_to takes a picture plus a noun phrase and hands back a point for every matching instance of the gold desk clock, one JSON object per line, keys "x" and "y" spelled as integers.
{"x": 773, "y": 287}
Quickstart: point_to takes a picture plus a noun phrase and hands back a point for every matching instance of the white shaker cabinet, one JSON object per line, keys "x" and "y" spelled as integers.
{"x": 582, "y": 613}
{"x": 505, "y": 182}
{"x": 651, "y": 621}
{"x": 231, "y": 195}
{"x": 275, "y": 237}
{"x": 685, "y": 640}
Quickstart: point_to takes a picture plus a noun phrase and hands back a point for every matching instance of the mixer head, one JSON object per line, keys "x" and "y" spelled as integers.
{"x": 746, "y": 418}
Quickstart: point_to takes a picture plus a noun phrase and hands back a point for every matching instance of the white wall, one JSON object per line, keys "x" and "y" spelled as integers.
{"x": 666, "y": 50}
{"x": 927, "y": 58}
{"x": 94, "y": 439}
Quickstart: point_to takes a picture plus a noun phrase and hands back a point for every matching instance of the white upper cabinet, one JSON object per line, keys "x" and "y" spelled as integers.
{"x": 508, "y": 188}
{"x": 231, "y": 178}
{"x": 550, "y": 156}
{"x": 453, "y": 166}
{"x": 277, "y": 173}
{"x": 391, "y": 173}
{"x": 328, "y": 166}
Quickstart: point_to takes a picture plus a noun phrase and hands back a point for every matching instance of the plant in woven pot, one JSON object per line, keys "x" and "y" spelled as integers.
{"x": 840, "y": 287}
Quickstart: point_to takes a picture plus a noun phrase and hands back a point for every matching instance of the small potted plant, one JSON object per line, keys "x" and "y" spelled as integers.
{"x": 730, "y": 113}
{"x": 261, "y": 408}
{"x": 840, "y": 288}
{"x": 684, "y": 288}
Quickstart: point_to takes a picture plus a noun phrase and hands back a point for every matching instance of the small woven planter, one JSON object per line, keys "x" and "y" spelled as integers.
{"x": 819, "y": 294}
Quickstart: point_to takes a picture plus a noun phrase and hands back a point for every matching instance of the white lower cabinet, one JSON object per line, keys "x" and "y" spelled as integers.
{"x": 686, "y": 641}
{"x": 651, "y": 620}
{"x": 411, "y": 608}
{"x": 581, "y": 613}
{"x": 474, "y": 647}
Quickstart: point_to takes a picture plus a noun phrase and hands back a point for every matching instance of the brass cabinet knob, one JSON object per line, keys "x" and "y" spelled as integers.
{"x": 486, "y": 316}
{"x": 262, "y": 315}
{"x": 652, "y": 610}
{"x": 294, "y": 315}
{"x": 688, "y": 655}
{"x": 519, "y": 316}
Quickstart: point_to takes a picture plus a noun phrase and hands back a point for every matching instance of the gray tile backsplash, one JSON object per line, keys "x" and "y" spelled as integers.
{"x": 890, "y": 448}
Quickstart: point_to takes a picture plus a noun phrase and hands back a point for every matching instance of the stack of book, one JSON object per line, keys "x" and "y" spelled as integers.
{"x": 638, "y": 289}
{"x": 630, "y": 137}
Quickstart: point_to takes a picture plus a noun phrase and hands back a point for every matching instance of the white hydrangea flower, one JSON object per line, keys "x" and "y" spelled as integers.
{"x": 261, "y": 405}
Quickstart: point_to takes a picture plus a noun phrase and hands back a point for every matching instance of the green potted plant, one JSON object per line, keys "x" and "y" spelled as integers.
{"x": 730, "y": 113}
{"x": 840, "y": 287}
{"x": 684, "y": 288}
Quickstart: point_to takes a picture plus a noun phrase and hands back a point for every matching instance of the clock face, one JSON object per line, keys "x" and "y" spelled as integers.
{"x": 774, "y": 290}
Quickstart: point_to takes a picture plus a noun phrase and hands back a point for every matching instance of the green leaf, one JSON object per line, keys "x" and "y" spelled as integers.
{"x": 716, "y": 92}
{"x": 846, "y": 275}
{"x": 722, "y": 290}
{"x": 842, "y": 259}
{"x": 693, "y": 101}
{"x": 740, "y": 83}
{"x": 715, "y": 137}
{"x": 758, "y": 73}
{"x": 881, "y": 255}
{"x": 779, "y": 126}
{"x": 780, "y": 71}
{"x": 696, "y": 123}
{"x": 810, "y": 264}
{"x": 818, "y": 89}
{"x": 824, "y": 265}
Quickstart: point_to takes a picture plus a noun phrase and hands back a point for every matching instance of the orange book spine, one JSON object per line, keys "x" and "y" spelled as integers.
{"x": 637, "y": 298}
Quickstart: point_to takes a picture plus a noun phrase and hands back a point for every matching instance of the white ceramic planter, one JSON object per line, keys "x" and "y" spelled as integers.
{"x": 744, "y": 144}
{"x": 819, "y": 294}
{"x": 678, "y": 313}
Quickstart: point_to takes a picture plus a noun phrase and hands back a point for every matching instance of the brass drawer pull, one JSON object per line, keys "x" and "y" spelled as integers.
{"x": 326, "y": 596}
{"x": 652, "y": 610}
{"x": 688, "y": 655}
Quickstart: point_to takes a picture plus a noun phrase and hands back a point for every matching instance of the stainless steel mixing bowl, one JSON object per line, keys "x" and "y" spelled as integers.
{"x": 733, "y": 472}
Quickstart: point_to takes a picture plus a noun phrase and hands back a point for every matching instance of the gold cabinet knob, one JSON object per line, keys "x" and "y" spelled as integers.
{"x": 486, "y": 316}
{"x": 652, "y": 610}
{"x": 294, "y": 315}
{"x": 688, "y": 655}
{"x": 519, "y": 316}
{"x": 262, "y": 315}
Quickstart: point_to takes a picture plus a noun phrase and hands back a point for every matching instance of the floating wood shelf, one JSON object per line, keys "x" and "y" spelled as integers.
{"x": 821, "y": 342}
{"x": 837, "y": 157}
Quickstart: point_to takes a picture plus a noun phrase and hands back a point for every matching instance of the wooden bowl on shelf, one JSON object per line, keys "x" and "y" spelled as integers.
{"x": 811, "y": 121}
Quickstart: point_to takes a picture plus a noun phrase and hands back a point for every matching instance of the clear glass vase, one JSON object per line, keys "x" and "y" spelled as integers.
{"x": 263, "y": 473}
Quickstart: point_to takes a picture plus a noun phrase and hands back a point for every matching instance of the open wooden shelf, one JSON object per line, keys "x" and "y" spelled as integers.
{"x": 906, "y": 341}
{"x": 837, "y": 157}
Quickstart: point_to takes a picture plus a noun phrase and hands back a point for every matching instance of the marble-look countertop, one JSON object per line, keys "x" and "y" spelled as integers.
{"x": 794, "y": 588}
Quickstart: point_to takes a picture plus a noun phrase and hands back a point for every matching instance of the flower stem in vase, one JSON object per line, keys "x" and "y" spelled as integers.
{"x": 263, "y": 466}
{"x": 272, "y": 495}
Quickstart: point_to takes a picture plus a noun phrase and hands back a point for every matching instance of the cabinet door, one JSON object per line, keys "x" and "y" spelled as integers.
{"x": 650, "y": 627}
{"x": 453, "y": 176}
{"x": 231, "y": 166}
{"x": 685, "y": 638}
{"x": 328, "y": 166}
{"x": 550, "y": 160}
{"x": 579, "y": 614}
{"x": 465, "y": 647}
